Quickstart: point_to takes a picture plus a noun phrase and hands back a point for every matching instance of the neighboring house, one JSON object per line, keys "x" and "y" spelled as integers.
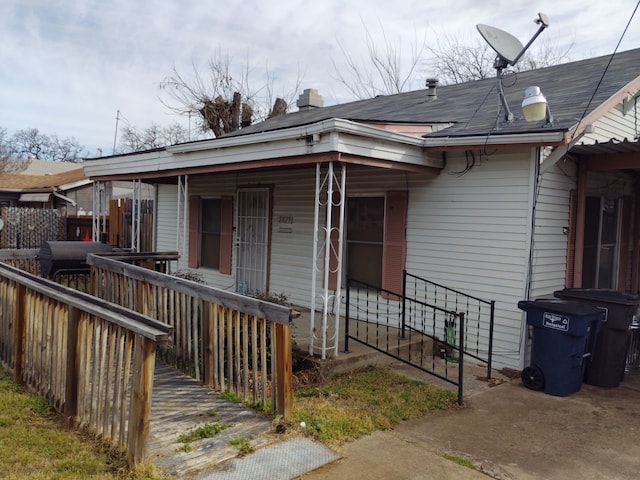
{"x": 432, "y": 181}
{"x": 45, "y": 184}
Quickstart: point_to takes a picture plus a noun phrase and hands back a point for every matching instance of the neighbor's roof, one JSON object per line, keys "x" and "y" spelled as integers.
{"x": 473, "y": 107}
{"x": 20, "y": 181}
{"x": 45, "y": 167}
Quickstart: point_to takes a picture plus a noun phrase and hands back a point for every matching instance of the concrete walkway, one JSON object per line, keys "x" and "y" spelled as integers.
{"x": 508, "y": 432}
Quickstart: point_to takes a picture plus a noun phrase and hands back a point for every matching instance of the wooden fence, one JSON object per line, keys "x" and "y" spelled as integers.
{"x": 92, "y": 360}
{"x": 119, "y": 226}
{"x": 26, "y": 260}
{"x": 30, "y": 227}
{"x": 226, "y": 340}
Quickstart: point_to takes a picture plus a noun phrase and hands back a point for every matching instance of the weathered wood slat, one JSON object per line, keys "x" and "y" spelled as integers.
{"x": 260, "y": 308}
{"x": 76, "y": 351}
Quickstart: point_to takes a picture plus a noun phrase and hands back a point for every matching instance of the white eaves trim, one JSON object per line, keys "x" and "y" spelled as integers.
{"x": 545, "y": 138}
{"x": 329, "y": 136}
{"x": 337, "y": 125}
{"x": 76, "y": 184}
{"x": 334, "y": 135}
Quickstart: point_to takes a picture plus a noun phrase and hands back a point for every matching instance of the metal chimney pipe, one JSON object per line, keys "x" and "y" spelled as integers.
{"x": 432, "y": 85}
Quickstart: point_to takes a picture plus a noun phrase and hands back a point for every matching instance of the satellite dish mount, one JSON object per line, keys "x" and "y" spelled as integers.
{"x": 509, "y": 50}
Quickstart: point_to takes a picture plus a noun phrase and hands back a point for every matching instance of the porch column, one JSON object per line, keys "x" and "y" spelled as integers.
{"x": 135, "y": 216}
{"x": 327, "y": 260}
{"x": 99, "y": 216}
{"x": 181, "y": 217}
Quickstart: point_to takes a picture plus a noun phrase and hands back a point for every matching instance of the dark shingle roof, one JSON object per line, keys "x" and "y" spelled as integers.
{"x": 472, "y": 107}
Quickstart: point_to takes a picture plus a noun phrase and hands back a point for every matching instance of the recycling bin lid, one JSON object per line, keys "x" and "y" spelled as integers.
{"x": 560, "y": 306}
{"x": 567, "y": 317}
{"x": 599, "y": 295}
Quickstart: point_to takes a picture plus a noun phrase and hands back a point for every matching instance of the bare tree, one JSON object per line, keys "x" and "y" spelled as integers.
{"x": 31, "y": 143}
{"x": 134, "y": 139}
{"x": 8, "y": 161}
{"x": 459, "y": 60}
{"x": 384, "y": 71}
{"x": 224, "y": 97}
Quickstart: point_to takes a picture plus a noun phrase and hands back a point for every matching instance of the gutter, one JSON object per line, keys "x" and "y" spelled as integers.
{"x": 509, "y": 139}
{"x": 333, "y": 125}
{"x": 66, "y": 199}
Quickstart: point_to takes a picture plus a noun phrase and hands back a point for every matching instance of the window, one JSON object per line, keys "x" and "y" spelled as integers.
{"x": 601, "y": 248}
{"x": 376, "y": 240}
{"x": 365, "y": 239}
{"x": 210, "y": 233}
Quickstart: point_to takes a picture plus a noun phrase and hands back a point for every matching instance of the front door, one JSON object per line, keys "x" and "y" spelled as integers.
{"x": 252, "y": 240}
{"x": 601, "y": 243}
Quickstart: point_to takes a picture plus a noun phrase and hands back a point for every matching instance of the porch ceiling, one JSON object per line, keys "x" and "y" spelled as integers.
{"x": 612, "y": 155}
{"x": 607, "y": 148}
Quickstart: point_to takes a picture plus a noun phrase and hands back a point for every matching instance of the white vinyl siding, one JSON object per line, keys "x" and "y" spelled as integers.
{"x": 550, "y": 239}
{"x": 615, "y": 124}
{"x": 469, "y": 232}
{"x": 166, "y": 226}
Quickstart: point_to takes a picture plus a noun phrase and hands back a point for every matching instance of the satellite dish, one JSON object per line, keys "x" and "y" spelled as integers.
{"x": 509, "y": 50}
{"x": 504, "y": 44}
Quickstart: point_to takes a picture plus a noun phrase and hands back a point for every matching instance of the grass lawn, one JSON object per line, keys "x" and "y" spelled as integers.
{"x": 35, "y": 445}
{"x": 359, "y": 403}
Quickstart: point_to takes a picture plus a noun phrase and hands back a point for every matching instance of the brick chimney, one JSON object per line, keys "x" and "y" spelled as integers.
{"x": 310, "y": 99}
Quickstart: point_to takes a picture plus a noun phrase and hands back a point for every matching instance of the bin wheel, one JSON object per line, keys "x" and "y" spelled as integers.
{"x": 533, "y": 378}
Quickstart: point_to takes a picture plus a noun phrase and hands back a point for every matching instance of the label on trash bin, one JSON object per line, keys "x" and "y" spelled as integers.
{"x": 555, "y": 321}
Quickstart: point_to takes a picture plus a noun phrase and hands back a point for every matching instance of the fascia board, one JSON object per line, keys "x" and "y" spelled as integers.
{"x": 129, "y": 163}
{"x": 301, "y": 132}
{"x": 549, "y": 138}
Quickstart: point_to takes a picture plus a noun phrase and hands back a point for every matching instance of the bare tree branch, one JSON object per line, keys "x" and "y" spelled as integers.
{"x": 384, "y": 71}
{"x": 31, "y": 143}
{"x": 223, "y": 97}
{"x": 459, "y": 60}
{"x": 134, "y": 139}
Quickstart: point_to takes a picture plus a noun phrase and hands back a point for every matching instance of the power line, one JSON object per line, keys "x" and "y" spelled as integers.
{"x": 607, "y": 67}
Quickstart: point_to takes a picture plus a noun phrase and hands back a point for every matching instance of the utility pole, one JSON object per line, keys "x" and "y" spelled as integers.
{"x": 115, "y": 136}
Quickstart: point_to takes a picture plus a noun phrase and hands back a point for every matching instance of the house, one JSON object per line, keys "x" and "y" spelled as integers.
{"x": 45, "y": 184}
{"x": 436, "y": 181}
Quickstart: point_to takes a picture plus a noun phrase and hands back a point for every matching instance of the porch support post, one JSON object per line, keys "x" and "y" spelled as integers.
{"x": 314, "y": 269}
{"x": 338, "y": 292}
{"x": 330, "y": 193}
{"x": 135, "y": 216}
{"x": 181, "y": 217}
{"x": 99, "y": 211}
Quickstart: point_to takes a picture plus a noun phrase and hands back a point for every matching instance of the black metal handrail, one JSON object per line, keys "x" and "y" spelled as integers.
{"x": 382, "y": 314}
{"x": 479, "y": 313}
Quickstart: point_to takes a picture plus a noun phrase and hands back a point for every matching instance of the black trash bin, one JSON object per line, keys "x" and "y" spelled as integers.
{"x": 564, "y": 333}
{"x": 610, "y": 352}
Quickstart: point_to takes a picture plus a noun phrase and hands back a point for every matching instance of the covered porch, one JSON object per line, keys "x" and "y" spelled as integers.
{"x": 604, "y": 223}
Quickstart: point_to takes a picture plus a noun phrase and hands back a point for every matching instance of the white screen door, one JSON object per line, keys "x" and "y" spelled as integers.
{"x": 252, "y": 240}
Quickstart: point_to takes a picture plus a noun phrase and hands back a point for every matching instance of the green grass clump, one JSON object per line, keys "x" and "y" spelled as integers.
{"x": 243, "y": 444}
{"x": 34, "y": 445}
{"x": 460, "y": 461}
{"x": 359, "y": 403}
{"x": 208, "y": 430}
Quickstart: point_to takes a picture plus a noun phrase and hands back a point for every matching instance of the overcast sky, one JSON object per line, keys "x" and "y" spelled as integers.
{"x": 67, "y": 66}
